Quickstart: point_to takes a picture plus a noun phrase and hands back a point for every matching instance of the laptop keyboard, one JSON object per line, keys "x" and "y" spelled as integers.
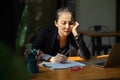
{"x": 97, "y": 62}
{"x": 100, "y": 63}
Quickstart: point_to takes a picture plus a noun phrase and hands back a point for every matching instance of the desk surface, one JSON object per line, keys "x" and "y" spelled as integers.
{"x": 88, "y": 72}
{"x": 94, "y": 34}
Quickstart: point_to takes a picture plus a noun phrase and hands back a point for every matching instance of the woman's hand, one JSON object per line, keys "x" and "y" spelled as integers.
{"x": 39, "y": 54}
{"x": 74, "y": 29}
{"x": 59, "y": 58}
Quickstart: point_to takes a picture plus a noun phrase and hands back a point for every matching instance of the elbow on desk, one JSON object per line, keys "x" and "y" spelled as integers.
{"x": 87, "y": 56}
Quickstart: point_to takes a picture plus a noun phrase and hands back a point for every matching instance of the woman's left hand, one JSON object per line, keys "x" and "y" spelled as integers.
{"x": 74, "y": 29}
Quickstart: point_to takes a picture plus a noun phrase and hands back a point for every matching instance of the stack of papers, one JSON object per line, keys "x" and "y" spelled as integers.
{"x": 61, "y": 65}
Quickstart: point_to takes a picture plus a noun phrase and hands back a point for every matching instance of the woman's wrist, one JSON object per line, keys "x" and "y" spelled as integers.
{"x": 75, "y": 32}
{"x": 39, "y": 54}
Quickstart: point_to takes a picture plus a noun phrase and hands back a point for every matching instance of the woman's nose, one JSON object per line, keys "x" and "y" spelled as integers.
{"x": 67, "y": 25}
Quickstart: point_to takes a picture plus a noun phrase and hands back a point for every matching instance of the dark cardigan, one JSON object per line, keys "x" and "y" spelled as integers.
{"x": 46, "y": 39}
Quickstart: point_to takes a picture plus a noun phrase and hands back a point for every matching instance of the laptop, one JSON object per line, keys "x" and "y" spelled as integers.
{"x": 113, "y": 59}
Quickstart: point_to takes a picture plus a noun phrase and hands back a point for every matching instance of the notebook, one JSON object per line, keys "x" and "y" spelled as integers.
{"x": 113, "y": 59}
{"x": 55, "y": 66}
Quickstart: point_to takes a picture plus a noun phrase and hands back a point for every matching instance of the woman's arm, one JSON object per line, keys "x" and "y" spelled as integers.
{"x": 59, "y": 58}
{"x": 39, "y": 44}
{"x": 83, "y": 48}
{"x": 80, "y": 43}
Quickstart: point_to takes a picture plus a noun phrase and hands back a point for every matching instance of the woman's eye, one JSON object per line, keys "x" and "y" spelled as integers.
{"x": 63, "y": 23}
{"x": 71, "y": 23}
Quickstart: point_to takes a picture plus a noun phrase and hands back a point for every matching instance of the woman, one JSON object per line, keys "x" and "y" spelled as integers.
{"x": 59, "y": 42}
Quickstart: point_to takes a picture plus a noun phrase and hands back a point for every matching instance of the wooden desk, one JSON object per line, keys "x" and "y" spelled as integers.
{"x": 94, "y": 34}
{"x": 88, "y": 72}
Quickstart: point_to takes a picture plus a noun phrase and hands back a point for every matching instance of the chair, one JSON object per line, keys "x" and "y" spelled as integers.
{"x": 99, "y": 46}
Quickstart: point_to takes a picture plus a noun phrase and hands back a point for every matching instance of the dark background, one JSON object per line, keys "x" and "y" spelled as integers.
{"x": 11, "y": 14}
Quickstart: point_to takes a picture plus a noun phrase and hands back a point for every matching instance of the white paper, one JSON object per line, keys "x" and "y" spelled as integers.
{"x": 62, "y": 65}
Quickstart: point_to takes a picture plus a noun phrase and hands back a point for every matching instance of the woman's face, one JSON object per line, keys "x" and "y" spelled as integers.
{"x": 64, "y": 23}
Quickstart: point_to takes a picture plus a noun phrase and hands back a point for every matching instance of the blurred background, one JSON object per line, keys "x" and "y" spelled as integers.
{"x": 88, "y": 13}
{"x": 22, "y": 19}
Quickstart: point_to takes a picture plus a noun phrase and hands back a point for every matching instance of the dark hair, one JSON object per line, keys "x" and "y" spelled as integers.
{"x": 65, "y": 9}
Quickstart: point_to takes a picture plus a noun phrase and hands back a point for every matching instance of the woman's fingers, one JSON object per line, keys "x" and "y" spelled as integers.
{"x": 60, "y": 58}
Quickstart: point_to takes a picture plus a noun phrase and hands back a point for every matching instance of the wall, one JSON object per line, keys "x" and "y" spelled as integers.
{"x": 96, "y": 12}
